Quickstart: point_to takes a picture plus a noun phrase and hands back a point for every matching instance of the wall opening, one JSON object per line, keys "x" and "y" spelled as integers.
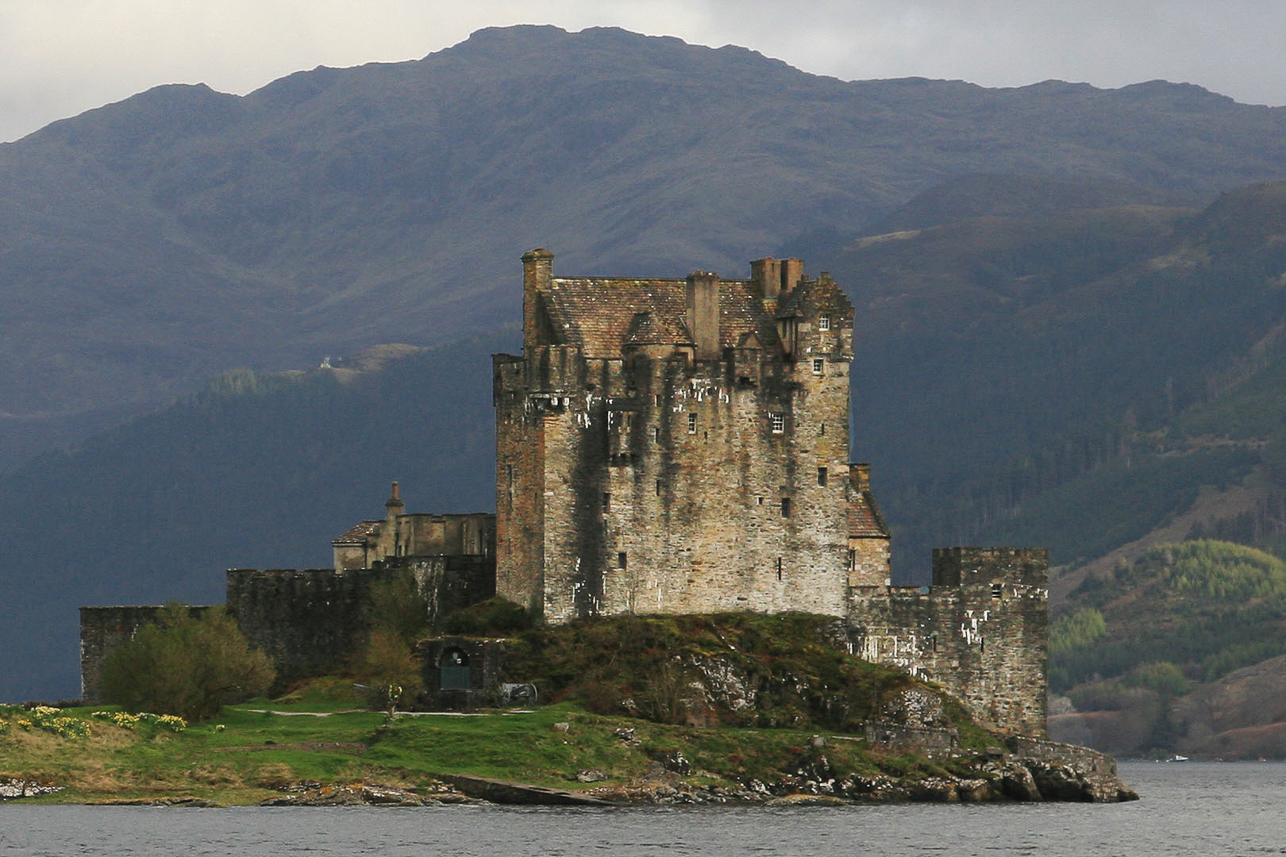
{"x": 455, "y": 672}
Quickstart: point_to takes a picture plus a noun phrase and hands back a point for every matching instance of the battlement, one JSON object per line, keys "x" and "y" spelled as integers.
{"x": 102, "y": 629}
{"x": 965, "y": 566}
{"x": 666, "y": 446}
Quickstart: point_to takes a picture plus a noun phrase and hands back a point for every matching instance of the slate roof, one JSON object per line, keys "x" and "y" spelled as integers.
{"x": 823, "y": 295}
{"x": 864, "y": 518}
{"x": 602, "y": 314}
{"x": 358, "y": 533}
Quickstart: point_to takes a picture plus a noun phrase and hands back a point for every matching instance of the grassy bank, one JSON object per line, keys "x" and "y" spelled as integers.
{"x": 251, "y": 751}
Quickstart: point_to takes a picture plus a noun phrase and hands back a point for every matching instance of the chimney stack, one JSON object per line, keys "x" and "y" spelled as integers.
{"x": 703, "y": 313}
{"x": 860, "y": 476}
{"x": 537, "y": 271}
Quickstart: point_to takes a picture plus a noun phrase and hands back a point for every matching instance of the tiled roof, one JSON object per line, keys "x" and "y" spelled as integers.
{"x": 358, "y": 533}
{"x": 824, "y": 296}
{"x": 601, "y": 314}
{"x": 864, "y": 518}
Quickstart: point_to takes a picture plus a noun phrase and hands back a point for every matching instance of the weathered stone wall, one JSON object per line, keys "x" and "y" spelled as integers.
{"x": 478, "y": 659}
{"x": 310, "y": 622}
{"x": 103, "y": 629}
{"x": 979, "y": 632}
{"x": 656, "y": 482}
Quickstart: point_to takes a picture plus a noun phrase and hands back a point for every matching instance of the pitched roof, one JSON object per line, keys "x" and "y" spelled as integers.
{"x": 602, "y": 314}
{"x": 822, "y": 295}
{"x": 358, "y": 533}
{"x": 864, "y": 518}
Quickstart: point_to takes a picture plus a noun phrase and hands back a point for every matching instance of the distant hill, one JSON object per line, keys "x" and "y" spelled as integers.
{"x": 1182, "y": 650}
{"x": 255, "y": 471}
{"x": 1069, "y": 301}
{"x": 152, "y": 243}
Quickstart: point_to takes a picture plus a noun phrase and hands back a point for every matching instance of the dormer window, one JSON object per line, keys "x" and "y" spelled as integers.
{"x": 824, "y": 323}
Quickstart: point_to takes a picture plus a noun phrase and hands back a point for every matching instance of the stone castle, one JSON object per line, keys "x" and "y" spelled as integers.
{"x": 670, "y": 446}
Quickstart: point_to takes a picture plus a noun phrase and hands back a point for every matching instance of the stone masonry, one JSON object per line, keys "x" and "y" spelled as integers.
{"x": 678, "y": 446}
{"x": 668, "y": 446}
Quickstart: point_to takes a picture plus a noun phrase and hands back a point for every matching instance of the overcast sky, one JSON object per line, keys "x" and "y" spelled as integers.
{"x": 61, "y": 57}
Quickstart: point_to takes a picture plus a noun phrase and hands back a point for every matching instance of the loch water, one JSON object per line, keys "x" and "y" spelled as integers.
{"x": 1186, "y": 808}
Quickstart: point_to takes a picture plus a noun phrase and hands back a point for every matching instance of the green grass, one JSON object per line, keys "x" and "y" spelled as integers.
{"x": 245, "y": 756}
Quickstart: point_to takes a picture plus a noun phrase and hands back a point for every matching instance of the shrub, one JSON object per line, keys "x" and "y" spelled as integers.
{"x": 495, "y": 616}
{"x": 186, "y": 666}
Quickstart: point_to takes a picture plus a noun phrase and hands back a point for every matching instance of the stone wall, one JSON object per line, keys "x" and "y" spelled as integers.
{"x": 676, "y": 478}
{"x": 461, "y": 672}
{"x": 311, "y": 622}
{"x": 979, "y": 632}
{"x": 308, "y": 622}
{"x": 103, "y": 629}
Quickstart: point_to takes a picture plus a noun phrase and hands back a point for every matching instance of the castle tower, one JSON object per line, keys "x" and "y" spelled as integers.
{"x": 675, "y": 446}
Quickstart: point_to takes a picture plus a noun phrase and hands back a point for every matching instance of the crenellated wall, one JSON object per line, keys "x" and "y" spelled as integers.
{"x": 676, "y": 446}
{"x": 102, "y": 629}
{"x": 979, "y": 631}
{"x": 310, "y": 622}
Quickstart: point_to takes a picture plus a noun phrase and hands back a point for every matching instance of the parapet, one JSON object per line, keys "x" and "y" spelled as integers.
{"x": 960, "y": 566}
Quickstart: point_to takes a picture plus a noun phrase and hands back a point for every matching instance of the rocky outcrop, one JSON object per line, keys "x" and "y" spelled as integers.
{"x": 362, "y": 794}
{"x": 11, "y": 789}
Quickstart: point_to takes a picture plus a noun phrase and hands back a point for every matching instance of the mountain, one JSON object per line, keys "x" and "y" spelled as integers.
{"x": 149, "y": 244}
{"x": 255, "y": 471}
{"x": 1069, "y": 302}
{"x": 1183, "y": 650}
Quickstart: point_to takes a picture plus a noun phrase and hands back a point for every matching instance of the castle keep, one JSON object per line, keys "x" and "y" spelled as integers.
{"x": 670, "y": 446}
{"x": 680, "y": 446}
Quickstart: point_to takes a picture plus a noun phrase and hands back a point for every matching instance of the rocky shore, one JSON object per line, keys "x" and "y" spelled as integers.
{"x": 1046, "y": 771}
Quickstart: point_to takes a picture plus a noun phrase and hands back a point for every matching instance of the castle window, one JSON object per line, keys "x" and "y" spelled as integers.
{"x": 821, "y": 476}
{"x": 656, "y": 433}
{"x": 761, "y": 501}
{"x": 779, "y": 568}
{"x": 852, "y": 559}
{"x": 777, "y": 422}
{"x": 658, "y": 487}
{"x": 819, "y": 365}
{"x": 996, "y": 590}
{"x": 824, "y": 323}
{"x": 785, "y": 507}
{"x": 656, "y": 400}
{"x": 620, "y": 560}
{"x": 692, "y": 423}
{"x": 607, "y": 502}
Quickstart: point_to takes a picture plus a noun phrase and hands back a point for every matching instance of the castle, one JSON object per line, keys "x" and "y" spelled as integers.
{"x": 671, "y": 446}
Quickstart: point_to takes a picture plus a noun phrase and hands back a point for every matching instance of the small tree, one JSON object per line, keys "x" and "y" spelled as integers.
{"x": 387, "y": 662}
{"x": 186, "y": 665}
